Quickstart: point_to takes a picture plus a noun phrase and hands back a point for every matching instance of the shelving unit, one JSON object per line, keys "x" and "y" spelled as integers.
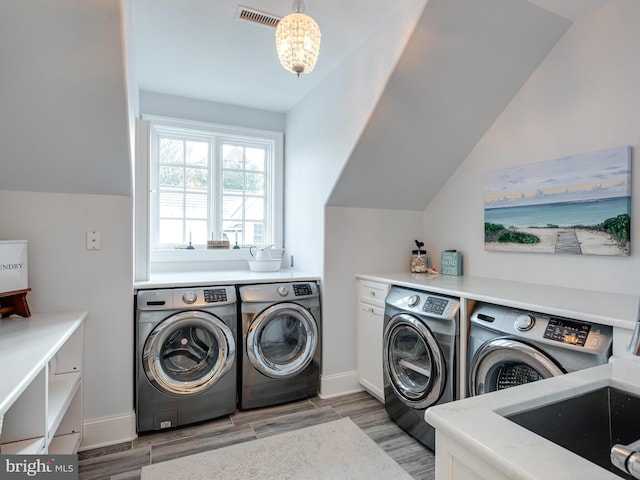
{"x": 41, "y": 388}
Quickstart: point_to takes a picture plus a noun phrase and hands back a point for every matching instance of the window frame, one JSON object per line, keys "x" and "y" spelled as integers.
{"x": 274, "y": 186}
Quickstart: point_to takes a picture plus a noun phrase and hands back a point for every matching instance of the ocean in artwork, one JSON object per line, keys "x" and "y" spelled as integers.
{"x": 562, "y": 214}
{"x": 579, "y": 204}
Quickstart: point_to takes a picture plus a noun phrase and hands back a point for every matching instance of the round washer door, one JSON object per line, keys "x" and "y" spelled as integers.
{"x": 282, "y": 340}
{"x": 505, "y": 362}
{"x": 413, "y": 361}
{"x": 188, "y": 353}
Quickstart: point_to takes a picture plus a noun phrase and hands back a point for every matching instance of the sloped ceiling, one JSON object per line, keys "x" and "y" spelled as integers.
{"x": 63, "y": 123}
{"x": 463, "y": 64}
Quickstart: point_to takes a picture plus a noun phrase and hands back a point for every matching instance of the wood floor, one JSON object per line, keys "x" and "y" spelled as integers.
{"x": 124, "y": 461}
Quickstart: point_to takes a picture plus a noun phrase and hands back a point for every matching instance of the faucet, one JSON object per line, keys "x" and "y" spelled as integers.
{"x": 627, "y": 457}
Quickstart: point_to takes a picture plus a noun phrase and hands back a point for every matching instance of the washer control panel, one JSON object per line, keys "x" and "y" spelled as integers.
{"x": 436, "y": 305}
{"x": 423, "y": 303}
{"x": 191, "y": 298}
{"x": 300, "y": 289}
{"x": 215, "y": 295}
{"x": 567, "y": 331}
{"x": 544, "y": 328}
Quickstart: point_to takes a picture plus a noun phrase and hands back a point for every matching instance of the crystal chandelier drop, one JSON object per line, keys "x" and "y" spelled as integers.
{"x": 298, "y": 40}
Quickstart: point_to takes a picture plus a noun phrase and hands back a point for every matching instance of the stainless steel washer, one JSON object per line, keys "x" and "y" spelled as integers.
{"x": 510, "y": 347}
{"x": 420, "y": 350}
{"x": 280, "y": 343}
{"x": 185, "y": 355}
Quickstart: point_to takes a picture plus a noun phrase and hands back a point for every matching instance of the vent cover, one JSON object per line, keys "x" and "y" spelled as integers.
{"x": 257, "y": 16}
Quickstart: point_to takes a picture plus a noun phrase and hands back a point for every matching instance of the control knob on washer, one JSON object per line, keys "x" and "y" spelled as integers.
{"x": 282, "y": 291}
{"x": 525, "y": 322}
{"x": 414, "y": 300}
{"x": 189, "y": 297}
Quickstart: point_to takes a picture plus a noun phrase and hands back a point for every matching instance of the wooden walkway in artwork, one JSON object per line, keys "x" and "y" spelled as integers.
{"x": 567, "y": 242}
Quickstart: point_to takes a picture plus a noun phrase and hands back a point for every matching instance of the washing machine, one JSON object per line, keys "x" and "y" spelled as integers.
{"x": 510, "y": 347}
{"x": 186, "y": 367}
{"x": 420, "y": 357}
{"x": 281, "y": 347}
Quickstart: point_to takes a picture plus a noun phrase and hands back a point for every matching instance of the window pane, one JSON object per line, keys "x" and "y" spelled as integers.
{"x": 255, "y": 233}
{"x": 196, "y": 206}
{"x": 196, "y": 178}
{"x": 197, "y": 232}
{"x": 198, "y": 153}
{"x": 171, "y": 205}
{"x": 171, "y": 177}
{"x": 232, "y": 156}
{"x": 254, "y": 208}
{"x": 232, "y": 182}
{"x": 255, "y": 183}
{"x": 232, "y": 207}
{"x": 170, "y": 232}
{"x": 233, "y": 231}
{"x": 171, "y": 151}
{"x": 255, "y": 159}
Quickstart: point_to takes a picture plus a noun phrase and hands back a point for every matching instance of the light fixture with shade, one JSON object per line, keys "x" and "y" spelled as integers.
{"x": 298, "y": 40}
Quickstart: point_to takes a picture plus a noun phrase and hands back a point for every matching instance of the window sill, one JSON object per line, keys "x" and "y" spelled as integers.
{"x": 206, "y": 255}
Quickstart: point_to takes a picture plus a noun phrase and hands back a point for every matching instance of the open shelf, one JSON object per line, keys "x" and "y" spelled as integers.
{"x": 65, "y": 443}
{"x": 62, "y": 389}
{"x": 33, "y": 446}
{"x": 41, "y": 392}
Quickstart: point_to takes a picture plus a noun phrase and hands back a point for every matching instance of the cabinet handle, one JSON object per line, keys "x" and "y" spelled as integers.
{"x": 373, "y": 293}
{"x": 368, "y": 309}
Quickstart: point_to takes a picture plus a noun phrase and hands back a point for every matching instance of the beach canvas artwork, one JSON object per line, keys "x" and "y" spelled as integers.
{"x": 575, "y": 205}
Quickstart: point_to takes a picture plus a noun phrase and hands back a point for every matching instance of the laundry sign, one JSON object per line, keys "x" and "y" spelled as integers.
{"x": 13, "y": 265}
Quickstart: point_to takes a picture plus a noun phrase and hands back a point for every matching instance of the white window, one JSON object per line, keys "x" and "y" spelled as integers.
{"x": 212, "y": 182}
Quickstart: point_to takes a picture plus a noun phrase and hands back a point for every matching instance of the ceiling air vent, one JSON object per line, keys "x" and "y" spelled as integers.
{"x": 256, "y": 16}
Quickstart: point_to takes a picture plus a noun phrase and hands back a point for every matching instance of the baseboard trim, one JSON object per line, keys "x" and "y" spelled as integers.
{"x": 339, "y": 384}
{"x": 106, "y": 431}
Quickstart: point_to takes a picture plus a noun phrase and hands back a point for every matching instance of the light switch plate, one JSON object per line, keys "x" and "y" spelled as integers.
{"x": 93, "y": 240}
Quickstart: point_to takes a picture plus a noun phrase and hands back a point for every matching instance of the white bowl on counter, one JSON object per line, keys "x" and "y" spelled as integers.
{"x": 264, "y": 265}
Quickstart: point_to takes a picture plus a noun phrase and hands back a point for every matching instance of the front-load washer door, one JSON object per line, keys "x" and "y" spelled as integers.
{"x": 188, "y": 353}
{"x": 413, "y": 361}
{"x": 282, "y": 340}
{"x": 505, "y": 362}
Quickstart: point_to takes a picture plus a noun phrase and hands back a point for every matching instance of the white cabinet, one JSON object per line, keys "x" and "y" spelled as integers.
{"x": 41, "y": 388}
{"x": 371, "y": 296}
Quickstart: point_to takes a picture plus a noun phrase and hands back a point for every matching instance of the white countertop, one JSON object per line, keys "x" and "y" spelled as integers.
{"x": 222, "y": 277}
{"x": 613, "y": 309}
{"x": 27, "y": 345}
{"x": 478, "y": 426}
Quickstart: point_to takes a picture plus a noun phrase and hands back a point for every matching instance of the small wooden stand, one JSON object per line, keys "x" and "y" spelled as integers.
{"x": 14, "y": 302}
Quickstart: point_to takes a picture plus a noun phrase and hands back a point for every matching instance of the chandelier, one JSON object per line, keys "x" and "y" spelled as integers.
{"x": 298, "y": 40}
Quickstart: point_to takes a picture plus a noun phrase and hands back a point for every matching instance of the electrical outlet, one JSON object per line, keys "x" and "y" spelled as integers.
{"x": 93, "y": 240}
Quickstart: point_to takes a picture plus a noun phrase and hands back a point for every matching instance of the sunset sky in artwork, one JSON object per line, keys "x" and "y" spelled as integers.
{"x": 590, "y": 176}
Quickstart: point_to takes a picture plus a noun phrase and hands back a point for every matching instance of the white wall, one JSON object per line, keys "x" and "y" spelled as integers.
{"x": 583, "y": 98}
{"x": 323, "y": 128}
{"x": 64, "y": 275}
{"x": 360, "y": 240}
{"x": 152, "y": 103}
{"x": 321, "y": 132}
{"x": 63, "y": 120}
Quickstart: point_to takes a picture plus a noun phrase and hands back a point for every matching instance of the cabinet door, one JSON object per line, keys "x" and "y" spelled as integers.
{"x": 370, "y": 322}
{"x": 372, "y": 292}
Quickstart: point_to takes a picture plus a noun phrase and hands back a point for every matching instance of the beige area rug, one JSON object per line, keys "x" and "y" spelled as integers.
{"x": 337, "y": 450}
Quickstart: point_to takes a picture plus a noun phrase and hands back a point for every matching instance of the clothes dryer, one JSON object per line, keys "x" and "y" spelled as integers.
{"x": 510, "y": 347}
{"x": 420, "y": 351}
{"x": 186, "y": 368}
{"x": 280, "y": 325}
